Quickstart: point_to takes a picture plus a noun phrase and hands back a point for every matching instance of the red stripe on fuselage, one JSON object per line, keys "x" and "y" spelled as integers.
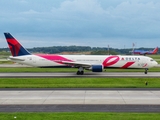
{"x": 145, "y": 65}
{"x": 128, "y": 64}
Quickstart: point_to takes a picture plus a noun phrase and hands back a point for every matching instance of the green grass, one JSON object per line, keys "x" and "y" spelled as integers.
{"x": 79, "y": 82}
{"x": 79, "y": 116}
{"x": 154, "y": 56}
{"x": 6, "y": 62}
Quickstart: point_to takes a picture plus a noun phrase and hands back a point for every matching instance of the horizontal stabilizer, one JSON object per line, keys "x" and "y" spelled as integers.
{"x": 15, "y": 59}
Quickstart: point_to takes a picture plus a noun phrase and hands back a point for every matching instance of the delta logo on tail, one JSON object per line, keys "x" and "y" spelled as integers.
{"x": 143, "y": 52}
{"x": 15, "y": 47}
{"x": 94, "y": 63}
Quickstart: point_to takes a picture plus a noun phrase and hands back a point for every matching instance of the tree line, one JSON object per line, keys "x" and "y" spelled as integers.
{"x": 93, "y": 50}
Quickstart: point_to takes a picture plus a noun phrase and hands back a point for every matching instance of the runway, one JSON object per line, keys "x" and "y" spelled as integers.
{"x": 86, "y": 74}
{"x": 81, "y": 108}
{"x": 80, "y": 100}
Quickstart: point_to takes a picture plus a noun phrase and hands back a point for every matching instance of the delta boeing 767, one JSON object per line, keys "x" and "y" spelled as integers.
{"x": 95, "y": 63}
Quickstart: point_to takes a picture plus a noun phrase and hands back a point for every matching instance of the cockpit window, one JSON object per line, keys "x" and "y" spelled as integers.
{"x": 151, "y": 60}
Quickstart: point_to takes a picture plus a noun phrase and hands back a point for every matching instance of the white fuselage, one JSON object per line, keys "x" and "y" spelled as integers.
{"x": 117, "y": 61}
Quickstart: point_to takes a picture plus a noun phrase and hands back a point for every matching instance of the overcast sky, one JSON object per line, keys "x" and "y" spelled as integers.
{"x": 95, "y": 23}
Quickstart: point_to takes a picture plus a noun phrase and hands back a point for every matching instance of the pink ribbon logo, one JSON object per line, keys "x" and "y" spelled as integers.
{"x": 111, "y": 60}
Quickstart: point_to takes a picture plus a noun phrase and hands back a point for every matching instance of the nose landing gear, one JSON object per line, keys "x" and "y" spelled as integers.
{"x": 146, "y": 71}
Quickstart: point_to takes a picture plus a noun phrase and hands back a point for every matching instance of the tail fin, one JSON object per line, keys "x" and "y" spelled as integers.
{"x": 15, "y": 47}
{"x": 155, "y": 50}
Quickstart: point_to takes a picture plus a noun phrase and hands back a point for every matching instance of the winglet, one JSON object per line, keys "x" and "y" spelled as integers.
{"x": 15, "y": 47}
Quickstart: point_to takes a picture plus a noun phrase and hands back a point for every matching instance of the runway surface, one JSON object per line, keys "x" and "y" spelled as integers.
{"x": 87, "y": 74}
{"x": 80, "y": 100}
{"x": 80, "y": 108}
{"x": 80, "y": 97}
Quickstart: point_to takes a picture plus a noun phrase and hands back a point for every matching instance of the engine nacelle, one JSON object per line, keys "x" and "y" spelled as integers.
{"x": 97, "y": 68}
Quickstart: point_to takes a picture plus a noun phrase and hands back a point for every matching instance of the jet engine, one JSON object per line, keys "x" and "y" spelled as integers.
{"x": 96, "y": 68}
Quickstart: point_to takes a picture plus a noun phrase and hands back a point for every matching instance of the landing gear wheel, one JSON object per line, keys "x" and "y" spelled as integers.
{"x": 80, "y": 71}
{"x": 146, "y": 71}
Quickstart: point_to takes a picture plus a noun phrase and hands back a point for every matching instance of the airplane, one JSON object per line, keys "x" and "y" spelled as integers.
{"x": 95, "y": 63}
{"x": 143, "y": 52}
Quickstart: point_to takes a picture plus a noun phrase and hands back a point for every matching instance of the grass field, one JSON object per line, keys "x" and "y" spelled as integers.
{"x": 79, "y": 82}
{"x": 79, "y": 116}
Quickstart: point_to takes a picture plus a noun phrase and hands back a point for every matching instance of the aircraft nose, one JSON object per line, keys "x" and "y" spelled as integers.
{"x": 155, "y": 63}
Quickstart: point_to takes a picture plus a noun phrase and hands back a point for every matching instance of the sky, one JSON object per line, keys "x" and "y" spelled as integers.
{"x": 95, "y": 23}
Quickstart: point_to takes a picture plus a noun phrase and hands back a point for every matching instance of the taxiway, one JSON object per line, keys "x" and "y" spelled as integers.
{"x": 83, "y": 97}
{"x": 80, "y": 100}
{"x": 87, "y": 74}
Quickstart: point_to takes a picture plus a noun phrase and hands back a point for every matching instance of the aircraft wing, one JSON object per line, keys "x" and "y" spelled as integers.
{"x": 77, "y": 64}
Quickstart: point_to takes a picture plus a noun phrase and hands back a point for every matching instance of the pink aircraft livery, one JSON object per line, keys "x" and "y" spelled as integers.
{"x": 95, "y": 63}
{"x": 143, "y": 52}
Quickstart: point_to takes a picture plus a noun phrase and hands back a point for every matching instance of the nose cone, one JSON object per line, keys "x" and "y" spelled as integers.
{"x": 155, "y": 64}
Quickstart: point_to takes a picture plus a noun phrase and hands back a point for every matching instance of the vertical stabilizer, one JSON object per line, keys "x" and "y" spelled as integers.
{"x": 15, "y": 47}
{"x": 155, "y": 50}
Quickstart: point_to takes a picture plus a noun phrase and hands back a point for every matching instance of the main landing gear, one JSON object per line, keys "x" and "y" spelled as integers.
{"x": 80, "y": 71}
{"x": 146, "y": 71}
